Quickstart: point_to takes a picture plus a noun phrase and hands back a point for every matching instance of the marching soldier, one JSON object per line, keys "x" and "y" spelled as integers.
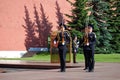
{"x": 85, "y": 50}
{"x": 89, "y": 40}
{"x": 62, "y": 39}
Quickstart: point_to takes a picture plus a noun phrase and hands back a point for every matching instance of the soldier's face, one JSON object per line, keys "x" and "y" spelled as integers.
{"x": 90, "y": 29}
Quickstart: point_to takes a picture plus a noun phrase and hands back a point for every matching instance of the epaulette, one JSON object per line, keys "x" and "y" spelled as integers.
{"x": 94, "y": 34}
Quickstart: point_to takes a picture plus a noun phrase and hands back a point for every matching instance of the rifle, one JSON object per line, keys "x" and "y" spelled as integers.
{"x": 86, "y": 40}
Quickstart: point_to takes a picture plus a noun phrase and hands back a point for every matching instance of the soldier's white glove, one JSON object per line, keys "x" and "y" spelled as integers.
{"x": 63, "y": 43}
{"x": 87, "y": 44}
{"x": 55, "y": 42}
{"x": 75, "y": 51}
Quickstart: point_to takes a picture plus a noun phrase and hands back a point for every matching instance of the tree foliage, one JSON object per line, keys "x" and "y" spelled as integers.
{"x": 79, "y": 14}
{"x": 114, "y": 27}
{"x": 104, "y": 15}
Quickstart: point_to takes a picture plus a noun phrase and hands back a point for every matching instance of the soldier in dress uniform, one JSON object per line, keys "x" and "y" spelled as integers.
{"x": 75, "y": 45}
{"x": 89, "y": 40}
{"x": 85, "y": 51}
{"x": 62, "y": 39}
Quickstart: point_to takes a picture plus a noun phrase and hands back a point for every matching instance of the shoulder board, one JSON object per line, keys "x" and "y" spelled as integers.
{"x": 94, "y": 34}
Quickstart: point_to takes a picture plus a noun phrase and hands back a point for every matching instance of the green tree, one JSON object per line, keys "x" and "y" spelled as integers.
{"x": 99, "y": 17}
{"x": 114, "y": 27}
{"x": 78, "y": 18}
{"x": 79, "y": 14}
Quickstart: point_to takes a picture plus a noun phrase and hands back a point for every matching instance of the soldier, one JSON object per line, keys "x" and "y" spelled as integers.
{"x": 88, "y": 48}
{"x": 75, "y": 45}
{"x": 85, "y": 51}
{"x": 62, "y": 39}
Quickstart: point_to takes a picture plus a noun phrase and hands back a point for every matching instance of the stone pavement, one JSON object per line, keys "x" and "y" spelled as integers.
{"x": 33, "y": 64}
{"x": 103, "y": 71}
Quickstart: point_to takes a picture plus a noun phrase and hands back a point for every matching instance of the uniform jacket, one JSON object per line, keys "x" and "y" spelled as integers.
{"x": 66, "y": 36}
{"x": 92, "y": 41}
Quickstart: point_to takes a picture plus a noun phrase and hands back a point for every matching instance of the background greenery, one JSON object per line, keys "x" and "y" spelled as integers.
{"x": 104, "y": 16}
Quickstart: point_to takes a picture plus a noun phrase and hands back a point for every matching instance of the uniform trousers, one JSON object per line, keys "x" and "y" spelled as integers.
{"x": 86, "y": 58}
{"x": 89, "y": 59}
{"x": 62, "y": 56}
